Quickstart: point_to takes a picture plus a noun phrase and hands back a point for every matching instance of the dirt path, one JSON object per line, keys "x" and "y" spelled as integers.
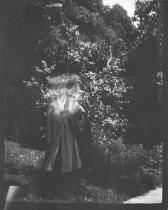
{"x": 153, "y": 196}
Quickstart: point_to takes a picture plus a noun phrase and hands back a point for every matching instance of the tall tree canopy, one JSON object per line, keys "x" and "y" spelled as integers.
{"x": 44, "y": 40}
{"x": 143, "y": 64}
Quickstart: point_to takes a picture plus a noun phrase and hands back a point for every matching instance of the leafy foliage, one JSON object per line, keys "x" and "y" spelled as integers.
{"x": 125, "y": 32}
{"x": 119, "y": 166}
{"x": 76, "y": 40}
{"x": 127, "y": 167}
{"x": 103, "y": 101}
{"x": 103, "y": 89}
{"x": 147, "y": 18}
{"x": 143, "y": 68}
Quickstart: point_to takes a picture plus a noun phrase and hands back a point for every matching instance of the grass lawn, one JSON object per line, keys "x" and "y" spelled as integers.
{"x": 21, "y": 164}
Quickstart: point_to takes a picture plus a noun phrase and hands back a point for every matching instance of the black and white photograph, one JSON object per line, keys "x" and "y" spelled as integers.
{"x": 84, "y": 102}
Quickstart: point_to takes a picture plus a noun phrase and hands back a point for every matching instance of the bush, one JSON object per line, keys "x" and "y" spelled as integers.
{"x": 150, "y": 178}
{"x": 103, "y": 100}
{"x": 128, "y": 168}
{"x": 20, "y": 157}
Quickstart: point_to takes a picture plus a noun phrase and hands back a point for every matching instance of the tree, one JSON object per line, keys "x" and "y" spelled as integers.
{"x": 125, "y": 31}
{"x": 75, "y": 40}
{"x": 91, "y": 23}
{"x": 143, "y": 66}
{"x": 92, "y": 5}
{"x": 146, "y": 18}
{"x": 22, "y": 36}
{"x": 103, "y": 100}
{"x": 66, "y": 49}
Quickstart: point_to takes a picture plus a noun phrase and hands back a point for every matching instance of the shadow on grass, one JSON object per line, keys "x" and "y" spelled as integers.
{"x": 130, "y": 185}
{"x": 22, "y": 167}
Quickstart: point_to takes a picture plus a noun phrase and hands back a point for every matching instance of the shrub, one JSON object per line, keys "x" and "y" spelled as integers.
{"x": 20, "y": 157}
{"x": 128, "y": 168}
{"x": 104, "y": 98}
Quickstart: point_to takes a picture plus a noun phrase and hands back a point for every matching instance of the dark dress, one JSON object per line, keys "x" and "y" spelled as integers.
{"x": 63, "y": 153}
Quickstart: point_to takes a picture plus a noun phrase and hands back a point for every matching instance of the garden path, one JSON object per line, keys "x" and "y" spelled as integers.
{"x": 153, "y": 196}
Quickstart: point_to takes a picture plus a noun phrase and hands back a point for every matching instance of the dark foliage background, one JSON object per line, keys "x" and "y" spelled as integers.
{"x": 122, "y": 87}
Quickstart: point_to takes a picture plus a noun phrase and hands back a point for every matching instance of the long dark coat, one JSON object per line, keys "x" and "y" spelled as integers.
{"x": 63, "y": 152}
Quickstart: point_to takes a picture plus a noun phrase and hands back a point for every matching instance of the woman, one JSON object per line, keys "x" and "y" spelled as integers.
{"x": 65, "y": 114}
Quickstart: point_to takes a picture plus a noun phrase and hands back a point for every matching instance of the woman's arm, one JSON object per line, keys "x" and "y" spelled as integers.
{"x": 77, "y": 120}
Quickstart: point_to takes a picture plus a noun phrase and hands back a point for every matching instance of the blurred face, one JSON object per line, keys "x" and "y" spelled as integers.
{"x": 58, "y": 93}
